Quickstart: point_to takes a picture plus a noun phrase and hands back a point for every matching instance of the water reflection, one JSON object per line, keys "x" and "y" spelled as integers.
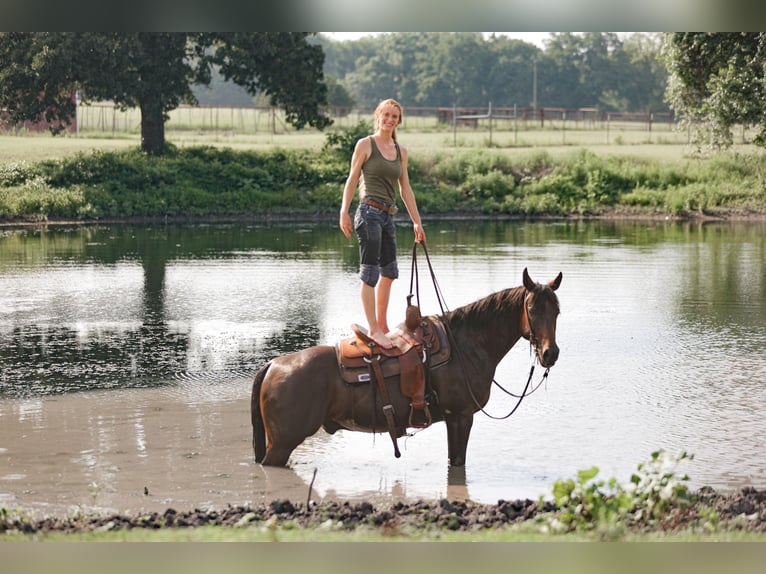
{"x": 662, "y": 334}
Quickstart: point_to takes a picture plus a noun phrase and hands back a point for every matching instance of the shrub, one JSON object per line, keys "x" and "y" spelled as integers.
{"x": 492, "y": 184}
{"x": 591, "y": 504}
{"x": 36, "y": 200}
{"x": 343, "y": 141}
{"x": 16, "y": 173}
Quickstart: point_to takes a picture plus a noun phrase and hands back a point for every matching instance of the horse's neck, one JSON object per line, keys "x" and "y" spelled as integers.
{"x": 492, "y": 324}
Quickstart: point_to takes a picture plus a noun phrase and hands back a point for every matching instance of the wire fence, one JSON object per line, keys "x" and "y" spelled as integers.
{"x": 105, "y": 117}
{"x": 493, "y": 125}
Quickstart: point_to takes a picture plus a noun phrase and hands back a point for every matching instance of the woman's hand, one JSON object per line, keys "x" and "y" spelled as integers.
{"x": 420, "y": 234}
{"x": 345, "y": 224}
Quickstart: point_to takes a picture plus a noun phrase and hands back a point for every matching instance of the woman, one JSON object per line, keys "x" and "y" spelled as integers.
{"x": 377, "y": 165}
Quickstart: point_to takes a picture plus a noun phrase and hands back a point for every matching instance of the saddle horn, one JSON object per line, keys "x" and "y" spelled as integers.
{"x": 412, "y": 316}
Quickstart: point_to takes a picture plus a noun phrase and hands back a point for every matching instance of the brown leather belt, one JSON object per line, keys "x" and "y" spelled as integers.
{"x": 391, "y": 209}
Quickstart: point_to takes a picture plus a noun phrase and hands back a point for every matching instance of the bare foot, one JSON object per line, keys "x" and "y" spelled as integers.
{"x": 380, "y": 338}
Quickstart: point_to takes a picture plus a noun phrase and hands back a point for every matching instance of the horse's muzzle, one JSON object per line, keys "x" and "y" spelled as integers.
{"x": 548, "y": 356}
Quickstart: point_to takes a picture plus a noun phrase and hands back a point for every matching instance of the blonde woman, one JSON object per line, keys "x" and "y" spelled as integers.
{"x": 378, "y": 167}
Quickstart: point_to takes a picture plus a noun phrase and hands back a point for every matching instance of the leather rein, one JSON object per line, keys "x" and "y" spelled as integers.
{"x": 414, "y": 281}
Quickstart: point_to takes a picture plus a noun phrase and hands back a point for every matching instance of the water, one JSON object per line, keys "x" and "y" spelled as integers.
{"x": 127, "y": 355}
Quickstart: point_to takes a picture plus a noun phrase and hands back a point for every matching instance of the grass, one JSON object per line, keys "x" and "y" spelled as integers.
{"x": 532, "y": 172}
{"x": 457, "y": 557}
{"x": 669, "y": 147}
{"x": 295, "y": 533}
{"x": 663, "y": 144}
{"x": 234, "y": 181}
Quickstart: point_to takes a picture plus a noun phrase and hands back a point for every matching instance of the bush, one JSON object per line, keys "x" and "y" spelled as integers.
{"x": 36, "y": 200}
{"x": 492, "y": 184}
{"x": 206, "y": 180}
{"x": 590, "y": 504}
{"x": 16, "y": 173}
{"x": 342, "y": 142}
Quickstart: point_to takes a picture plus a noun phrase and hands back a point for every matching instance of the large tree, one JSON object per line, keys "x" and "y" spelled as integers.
{"x": 717, "y": 81}
{"x": 154, "y": 71}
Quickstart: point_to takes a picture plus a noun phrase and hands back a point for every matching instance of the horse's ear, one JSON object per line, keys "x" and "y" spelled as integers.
{"x": 528, "y": 283}
{"x": 556, "y": 282}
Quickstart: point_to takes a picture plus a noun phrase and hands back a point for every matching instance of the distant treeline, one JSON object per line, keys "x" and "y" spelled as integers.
{"x": 440, "y": 69}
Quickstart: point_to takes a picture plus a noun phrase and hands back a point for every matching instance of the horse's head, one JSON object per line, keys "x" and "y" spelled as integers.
{"x": 541, "y": 309}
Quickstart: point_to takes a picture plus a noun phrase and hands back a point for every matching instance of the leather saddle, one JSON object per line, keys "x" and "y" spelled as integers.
{"x": 420, "y": 345}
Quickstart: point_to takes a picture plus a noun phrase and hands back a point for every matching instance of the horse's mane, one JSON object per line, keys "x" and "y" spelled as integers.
{"x": 476, "y": 313}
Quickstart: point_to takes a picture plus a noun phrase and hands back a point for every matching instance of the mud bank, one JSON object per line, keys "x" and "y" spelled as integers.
{"x": 741, "y": 510}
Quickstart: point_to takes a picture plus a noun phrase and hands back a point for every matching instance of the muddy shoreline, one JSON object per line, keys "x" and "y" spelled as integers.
{"x": 615, "y": 214}
{"x": 744, "y": 510}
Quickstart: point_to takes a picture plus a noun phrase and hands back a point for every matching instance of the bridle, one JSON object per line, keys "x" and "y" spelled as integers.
{"x": 533, "y": 342}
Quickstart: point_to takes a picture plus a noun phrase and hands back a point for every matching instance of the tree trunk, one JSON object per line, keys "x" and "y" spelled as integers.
{"x": 152, "y": 128}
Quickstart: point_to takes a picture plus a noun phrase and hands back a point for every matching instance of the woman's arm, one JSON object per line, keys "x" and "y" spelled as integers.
{"x": 362, "y": 151}
{"x": 408, "y": 196}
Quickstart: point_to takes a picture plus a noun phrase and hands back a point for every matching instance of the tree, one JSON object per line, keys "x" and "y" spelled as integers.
{"x": 154, "y": 71}
{"x": 560, "y": 72}
{"x": 510, "y": 77}
{"x": 645, "y": 77}
{"x": 338, "y": 96}
{"x": 468, "y": 69}
{"x": 717, "y": 81}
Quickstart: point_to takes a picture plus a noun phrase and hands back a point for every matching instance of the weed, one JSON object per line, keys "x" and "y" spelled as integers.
{"x": 605, "y": 506}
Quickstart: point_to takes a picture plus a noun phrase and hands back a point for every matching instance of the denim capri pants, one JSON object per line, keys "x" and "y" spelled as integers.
{"x": 377, "y": 244}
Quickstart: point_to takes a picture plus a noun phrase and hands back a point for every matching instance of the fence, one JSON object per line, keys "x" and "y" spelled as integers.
{"x": 477, "y": 125}
{"x": 107, "y": 118}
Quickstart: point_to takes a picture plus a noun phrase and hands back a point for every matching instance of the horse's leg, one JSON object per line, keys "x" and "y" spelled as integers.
{"x": 259, "y": 432}
{"x": 294, "y": 400}
{"x": 458, "y": 430}
{"x": 277, "y": 456}
{"x": 287, "y": 425}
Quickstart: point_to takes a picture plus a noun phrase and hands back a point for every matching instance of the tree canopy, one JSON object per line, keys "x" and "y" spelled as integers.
{"x": 717, "y": 81}
{"x": 594, "y": 69}
{"x": 154, "y": 71}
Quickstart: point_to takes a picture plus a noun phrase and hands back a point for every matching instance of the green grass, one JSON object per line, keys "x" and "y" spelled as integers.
{"x": 669, "y": 146}
{"x": 45, "y": 178}
{"x": 297, "y": 533}
{"x": 663, "y": 144}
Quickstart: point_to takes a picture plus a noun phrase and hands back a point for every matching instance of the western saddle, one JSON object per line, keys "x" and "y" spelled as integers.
{"x": 420, "y": 344}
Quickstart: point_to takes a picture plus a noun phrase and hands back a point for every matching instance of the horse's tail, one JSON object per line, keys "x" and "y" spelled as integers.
{"x": 259, "y": 432}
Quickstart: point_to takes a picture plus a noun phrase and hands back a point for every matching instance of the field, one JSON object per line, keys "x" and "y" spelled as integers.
{"x": 103, "y": 127}
{"x": 497, "y": 166}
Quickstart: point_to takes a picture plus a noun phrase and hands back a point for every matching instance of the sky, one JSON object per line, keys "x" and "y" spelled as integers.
{"x": 535, "y": 38}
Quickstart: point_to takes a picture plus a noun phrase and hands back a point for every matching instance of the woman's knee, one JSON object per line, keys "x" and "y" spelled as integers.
{"x": 390, "y": 270}
{"x": 369, "y": 274}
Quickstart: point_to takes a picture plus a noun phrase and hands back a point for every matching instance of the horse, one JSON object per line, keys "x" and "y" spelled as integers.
{"x": 294, "y": 395}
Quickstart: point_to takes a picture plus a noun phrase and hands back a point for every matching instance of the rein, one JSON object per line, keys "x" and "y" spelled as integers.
{"x": 414, "y": 281}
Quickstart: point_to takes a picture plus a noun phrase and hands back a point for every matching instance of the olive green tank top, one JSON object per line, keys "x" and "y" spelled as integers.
{"x": 380, "y": 176}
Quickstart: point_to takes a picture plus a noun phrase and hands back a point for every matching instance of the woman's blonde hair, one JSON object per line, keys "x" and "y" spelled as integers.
{"x": 379, "y": 110}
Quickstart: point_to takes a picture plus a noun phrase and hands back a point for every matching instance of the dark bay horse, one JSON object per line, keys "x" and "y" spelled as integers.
{"x": 296, "y": 394}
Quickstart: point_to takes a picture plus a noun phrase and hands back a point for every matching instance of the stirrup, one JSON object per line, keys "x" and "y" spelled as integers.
{"x": 426, "y": 413}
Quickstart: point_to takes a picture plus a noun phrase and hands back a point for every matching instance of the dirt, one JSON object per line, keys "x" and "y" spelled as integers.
{"x": 741, "y": 510}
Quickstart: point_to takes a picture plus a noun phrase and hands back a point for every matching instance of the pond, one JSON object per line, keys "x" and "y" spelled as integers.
{"x": 127, "y": 355}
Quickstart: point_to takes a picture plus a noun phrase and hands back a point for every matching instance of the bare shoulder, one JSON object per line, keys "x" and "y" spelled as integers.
{"x": 362, "y": 150}
{"x": 363, "y": 144}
